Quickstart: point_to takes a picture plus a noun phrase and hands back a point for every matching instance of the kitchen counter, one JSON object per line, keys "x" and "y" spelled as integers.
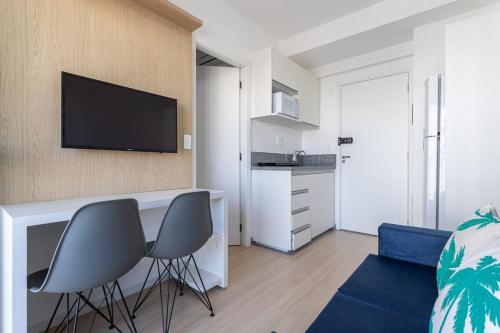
{"x": 307, "y": 165}
{"x": 298, "y": 170}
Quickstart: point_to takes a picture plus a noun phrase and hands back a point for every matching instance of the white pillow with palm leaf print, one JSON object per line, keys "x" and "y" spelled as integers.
{"x": 468, "y": 277}
{"x": 479, "y": 231}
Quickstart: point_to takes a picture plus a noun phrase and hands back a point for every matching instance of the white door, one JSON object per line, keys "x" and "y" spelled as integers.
{"x": 218, "y": 138}
{"x": 374, "y": 168}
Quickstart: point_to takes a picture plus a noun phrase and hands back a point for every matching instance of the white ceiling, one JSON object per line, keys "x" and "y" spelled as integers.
{"x": 372, "y": 40}
{"x": 384, "y": 35}
{"x": 285, "y": 18}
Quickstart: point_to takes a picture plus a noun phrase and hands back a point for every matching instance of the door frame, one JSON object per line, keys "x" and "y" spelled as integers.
{"x": 244, "y": 129}
{"x": 409, "y": 127}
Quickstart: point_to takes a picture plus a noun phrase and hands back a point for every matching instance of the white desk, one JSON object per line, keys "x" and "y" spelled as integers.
{"x": 16, "y": 219}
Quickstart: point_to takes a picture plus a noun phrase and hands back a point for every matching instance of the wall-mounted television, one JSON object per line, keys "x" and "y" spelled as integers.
{"x": 101, "y": 115}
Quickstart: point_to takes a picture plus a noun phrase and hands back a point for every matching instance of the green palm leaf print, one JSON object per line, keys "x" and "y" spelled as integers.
{"x": 473, "y": 289}
{"x": 448, "y": 263}
{"x": 481, "y": 221}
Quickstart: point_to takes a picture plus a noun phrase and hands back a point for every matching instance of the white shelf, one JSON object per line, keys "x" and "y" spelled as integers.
{"x": 62, "y": 210}
{"x": 278, "y": 119}
{"x": 215, "y": 237}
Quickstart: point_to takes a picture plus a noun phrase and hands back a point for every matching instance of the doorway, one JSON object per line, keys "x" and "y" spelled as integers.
{"x": 374, "y": 167}
{"x": 218, "y": 133}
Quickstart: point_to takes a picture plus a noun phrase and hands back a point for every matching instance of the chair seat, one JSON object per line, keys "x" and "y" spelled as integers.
{"x": 36, "y": 279}
{"x": 345, "y": 314}
{"x": 394, "y": 285}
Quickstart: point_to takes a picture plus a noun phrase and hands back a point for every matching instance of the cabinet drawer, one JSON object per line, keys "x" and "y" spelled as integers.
{"x": 300, "y": 183}
{"x": 301, "y": 238}
{"x": 300, "y": 219}
{"x": 300, "y": 200}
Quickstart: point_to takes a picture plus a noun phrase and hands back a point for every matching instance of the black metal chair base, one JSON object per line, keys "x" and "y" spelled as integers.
{"x": 70, "y": 321}
{"x": 199, "y": 291}
{"x": 166, "y": 273}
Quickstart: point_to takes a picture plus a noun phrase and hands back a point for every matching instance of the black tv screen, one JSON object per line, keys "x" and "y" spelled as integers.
{"x": 100, "y": 115}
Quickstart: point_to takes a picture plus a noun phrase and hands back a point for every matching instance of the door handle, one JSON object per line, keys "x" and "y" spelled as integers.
{"x": 344, "y": 157}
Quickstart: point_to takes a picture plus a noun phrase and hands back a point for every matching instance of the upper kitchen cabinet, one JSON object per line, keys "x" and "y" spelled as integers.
{"x": 309, "y": 99}
{"x": 273, "y": 72}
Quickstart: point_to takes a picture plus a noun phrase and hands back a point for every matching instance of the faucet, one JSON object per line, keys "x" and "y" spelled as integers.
{"x": 296, "y": 154}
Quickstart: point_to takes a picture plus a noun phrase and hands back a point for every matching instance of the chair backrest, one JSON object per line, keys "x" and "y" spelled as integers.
{"x": 102, "y": 242}
{"x": 186, "y": 227}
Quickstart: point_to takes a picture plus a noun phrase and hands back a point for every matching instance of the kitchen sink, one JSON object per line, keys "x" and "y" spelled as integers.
{"x": 277, "y": 164}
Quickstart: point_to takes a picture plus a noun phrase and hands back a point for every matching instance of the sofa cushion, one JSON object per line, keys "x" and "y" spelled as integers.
{"x": 475, "y": 238}
{"x": 417, "y": 245}
{"x": 394, "y": 285}
{"x": 345, "y": 314}
{"x": 469, "y": 277}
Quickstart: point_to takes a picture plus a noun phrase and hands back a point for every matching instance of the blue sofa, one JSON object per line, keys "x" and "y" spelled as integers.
{"x": 393, "y": 291}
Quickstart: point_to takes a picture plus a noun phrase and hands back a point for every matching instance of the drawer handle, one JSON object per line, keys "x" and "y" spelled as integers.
{"x": 300, "y": 210}
{"x": 300, "y": 192}
{"x": 298, "y": 230}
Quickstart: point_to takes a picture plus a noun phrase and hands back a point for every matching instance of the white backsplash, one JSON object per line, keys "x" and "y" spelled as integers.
{"x": 275, "y": 139}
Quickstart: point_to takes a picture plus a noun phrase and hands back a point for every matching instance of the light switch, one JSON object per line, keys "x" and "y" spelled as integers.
{"x": 187, "y": 141}
{"x": 279, "y": 140}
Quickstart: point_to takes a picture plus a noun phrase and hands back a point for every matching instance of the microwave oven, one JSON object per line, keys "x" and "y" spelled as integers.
{"x": 285, "y": 105}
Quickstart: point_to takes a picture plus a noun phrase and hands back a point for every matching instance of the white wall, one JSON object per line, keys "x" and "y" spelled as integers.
{"x": 232, "y": 37}
{"x": 428, "y": 50}
{"x": 272, "y": 138}
{"x": 429, "y": 59}
{"x": 473, "y": 117}
{"x": 225, "y": 30}
{"x": 231, "y": 34}
{"x": 324, "y": 140}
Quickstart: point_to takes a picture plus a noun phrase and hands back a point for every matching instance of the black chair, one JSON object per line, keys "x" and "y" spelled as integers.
{"x": 101, "y": 243}
{"x": 186, "y": 227}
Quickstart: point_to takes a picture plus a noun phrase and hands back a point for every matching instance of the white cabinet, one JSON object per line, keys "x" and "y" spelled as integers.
{"x": 321, "y": 192}
{"x": 310, "y": 100}
{"x": 322, "y": 207}
{"x": 289, "y": 210}
{"x": 268, "y": 66}
{"x": 271, "y": 209}
{"x": 285, "y": 71}
{"x": 261, "y": 83}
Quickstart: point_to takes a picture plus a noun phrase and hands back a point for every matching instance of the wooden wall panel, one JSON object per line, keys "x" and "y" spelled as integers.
{"x": 111, "y": 40}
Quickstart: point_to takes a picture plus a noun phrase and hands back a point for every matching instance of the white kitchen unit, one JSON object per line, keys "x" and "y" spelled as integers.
{"x": 289, "y": 208}
{"x": 271, "y": 72}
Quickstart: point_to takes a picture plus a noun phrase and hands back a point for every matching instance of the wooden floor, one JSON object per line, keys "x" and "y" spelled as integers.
{"x": 268, "y": 290}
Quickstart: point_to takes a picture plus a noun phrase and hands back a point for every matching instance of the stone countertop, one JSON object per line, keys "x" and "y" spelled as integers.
{"x": 309, "y": 164}
{"x": 298, "y": 170}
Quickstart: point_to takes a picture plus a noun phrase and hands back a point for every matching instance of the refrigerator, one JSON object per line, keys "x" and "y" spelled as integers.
{"x": 434, "y": 154}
